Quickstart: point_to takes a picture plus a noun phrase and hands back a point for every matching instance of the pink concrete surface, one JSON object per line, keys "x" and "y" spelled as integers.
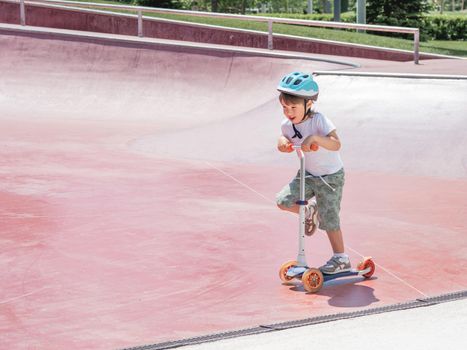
{"x": 153, "y": 28}
{"x": 137, "y": 190}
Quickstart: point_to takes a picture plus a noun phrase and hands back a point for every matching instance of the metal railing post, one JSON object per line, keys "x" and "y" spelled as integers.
{"x": 140, "y": 23}
{"x": 310, "y": 7}
{"x": 270, "y": 42}
{"x": 361, "y": 14}
{"x": 337, "y": 11}
{"x": 416, "y": 44}
{"x": 22, "y": 13}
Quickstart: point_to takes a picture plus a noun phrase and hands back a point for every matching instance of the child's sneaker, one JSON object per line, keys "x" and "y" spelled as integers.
{"x": 335, "y": 265}
{"x": 311, "y": 218}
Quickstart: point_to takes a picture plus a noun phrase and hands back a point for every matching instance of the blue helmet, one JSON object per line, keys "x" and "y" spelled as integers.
{"x": 299, "y": 84}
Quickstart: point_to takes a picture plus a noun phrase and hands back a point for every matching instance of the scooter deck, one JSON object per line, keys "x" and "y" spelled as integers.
{"x": 327, "y": 277}
{"x": 352, "y": 272}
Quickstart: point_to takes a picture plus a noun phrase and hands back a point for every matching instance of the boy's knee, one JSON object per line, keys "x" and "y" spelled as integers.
{"x": 285, "y": 205}
{"x": 284, "y": 202}
{"x": 281, "y": 206}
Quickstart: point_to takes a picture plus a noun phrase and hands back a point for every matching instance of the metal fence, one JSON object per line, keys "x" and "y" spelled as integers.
{"x": 269, "y": 20}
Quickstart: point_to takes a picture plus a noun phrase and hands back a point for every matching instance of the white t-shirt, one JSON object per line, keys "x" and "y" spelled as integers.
{"x": 323, "y": 161}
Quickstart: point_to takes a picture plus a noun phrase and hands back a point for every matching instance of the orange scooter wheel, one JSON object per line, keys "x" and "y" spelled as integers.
{"x": 283, "y": 271}
{"x": 365, "y": 264}
{"x": 312, "y": 280}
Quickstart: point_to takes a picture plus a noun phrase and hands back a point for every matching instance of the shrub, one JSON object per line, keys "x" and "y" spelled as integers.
{"x": 432, "y": 27}
{"x": 446, "y": 27}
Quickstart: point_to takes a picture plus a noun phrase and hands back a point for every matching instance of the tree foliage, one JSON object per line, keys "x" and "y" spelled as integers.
{"x": 401, "y": 13}
{"x": 396, "y": 12}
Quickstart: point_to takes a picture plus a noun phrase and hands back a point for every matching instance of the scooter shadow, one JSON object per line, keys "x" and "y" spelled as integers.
{"x": 344, "y": 292}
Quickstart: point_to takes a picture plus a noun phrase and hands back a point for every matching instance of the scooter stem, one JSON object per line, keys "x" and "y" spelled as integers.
{"x": 301, "y": 259}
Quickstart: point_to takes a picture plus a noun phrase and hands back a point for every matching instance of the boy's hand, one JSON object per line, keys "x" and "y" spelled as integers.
{"x": 310, "y": 144}
{"x": 284, "y": 145}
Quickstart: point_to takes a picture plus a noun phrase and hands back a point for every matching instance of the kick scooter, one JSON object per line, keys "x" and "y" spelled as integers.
{"x": 312, "y": 278}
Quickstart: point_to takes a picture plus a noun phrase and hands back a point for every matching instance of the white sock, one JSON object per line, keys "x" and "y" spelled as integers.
{"x": 342, "y": 256}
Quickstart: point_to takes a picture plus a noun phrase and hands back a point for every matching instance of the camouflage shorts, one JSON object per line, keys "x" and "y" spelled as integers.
{"x": 328, "y": 201}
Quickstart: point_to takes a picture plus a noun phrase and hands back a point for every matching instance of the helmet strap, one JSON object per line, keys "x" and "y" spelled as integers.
{"x": 307, "y": 112}
{"x": 297, "y": 133}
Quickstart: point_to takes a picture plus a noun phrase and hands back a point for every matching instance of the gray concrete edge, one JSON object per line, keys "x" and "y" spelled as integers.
{"x": 417, "y": 303}
{"x": 392, "y": 75}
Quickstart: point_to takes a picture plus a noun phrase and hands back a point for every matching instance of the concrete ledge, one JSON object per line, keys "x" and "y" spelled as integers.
{"x": 393, "y": 75}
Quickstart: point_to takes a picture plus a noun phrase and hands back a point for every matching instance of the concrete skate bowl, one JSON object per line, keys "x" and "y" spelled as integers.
{"x": 138, "y": 182}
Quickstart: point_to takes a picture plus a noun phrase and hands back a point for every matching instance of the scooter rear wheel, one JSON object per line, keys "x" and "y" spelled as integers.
{"x": 283, "y": 271}
{"x": 365, "y": 264}
{"x": 312, "y": 280}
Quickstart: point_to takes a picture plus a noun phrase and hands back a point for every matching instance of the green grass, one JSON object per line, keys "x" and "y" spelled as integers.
{"x": 450, "y": 13}
{"x": 453, "y": 48}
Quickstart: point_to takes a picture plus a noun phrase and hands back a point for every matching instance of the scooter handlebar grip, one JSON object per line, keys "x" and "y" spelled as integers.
{"x": 314, "y": 147}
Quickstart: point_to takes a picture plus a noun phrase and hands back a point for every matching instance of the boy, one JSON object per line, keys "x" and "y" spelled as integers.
{"x": 324, "y": 169}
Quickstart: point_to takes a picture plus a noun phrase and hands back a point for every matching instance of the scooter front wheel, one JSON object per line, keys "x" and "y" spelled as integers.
{"x": 283, "y": 271}
{"x": 312, "y": 280}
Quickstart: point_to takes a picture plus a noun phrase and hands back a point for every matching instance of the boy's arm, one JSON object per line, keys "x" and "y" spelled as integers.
{"x": 283, "y": 144}
{"x": 330, "y": 141}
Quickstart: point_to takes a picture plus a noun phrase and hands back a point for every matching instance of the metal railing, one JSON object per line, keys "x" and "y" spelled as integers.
{"x": 269, "y": 20}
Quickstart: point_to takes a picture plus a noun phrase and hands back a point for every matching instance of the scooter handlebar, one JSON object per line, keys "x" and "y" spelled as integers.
{"x": 314, "y": 147}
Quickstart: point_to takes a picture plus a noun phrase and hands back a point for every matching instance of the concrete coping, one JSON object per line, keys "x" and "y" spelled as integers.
{"x": 393, "y": 75}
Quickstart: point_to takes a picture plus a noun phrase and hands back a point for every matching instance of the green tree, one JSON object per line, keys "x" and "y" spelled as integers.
{"x": 402, "y": 13}
{"x": 214, "y": 5}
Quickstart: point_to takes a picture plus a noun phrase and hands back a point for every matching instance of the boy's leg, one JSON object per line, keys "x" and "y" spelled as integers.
{"x": 337, "y": 241}
{"x": 329, "y": 195}
{"x": 340, "y": 261}
{"x": 286, "y": 200}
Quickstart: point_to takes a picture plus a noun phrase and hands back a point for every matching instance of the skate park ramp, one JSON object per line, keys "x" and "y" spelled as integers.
{"x": 138, "y": 183}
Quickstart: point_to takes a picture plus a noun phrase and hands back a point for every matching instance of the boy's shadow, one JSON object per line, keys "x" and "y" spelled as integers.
{"x": 344, "y": 292}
